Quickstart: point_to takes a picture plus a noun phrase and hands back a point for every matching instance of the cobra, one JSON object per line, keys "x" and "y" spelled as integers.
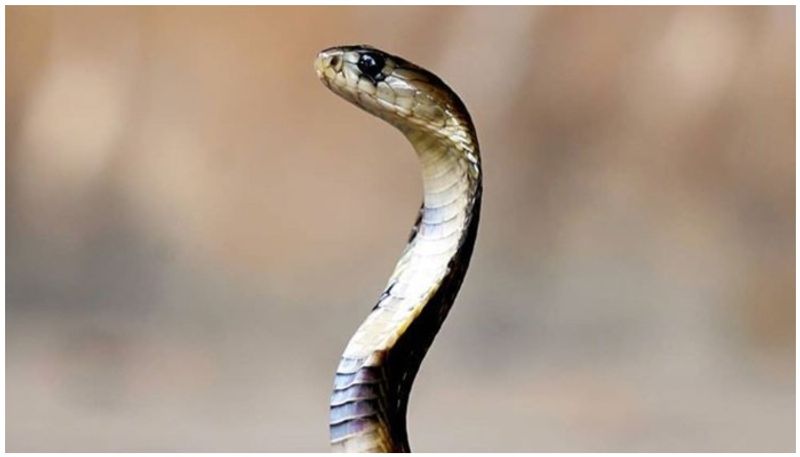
{"x": 374, "y": 377}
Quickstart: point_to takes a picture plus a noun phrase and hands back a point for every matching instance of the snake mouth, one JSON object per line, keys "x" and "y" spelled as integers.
{"x": 336, "y": 71}
{"x": 320, "y": 63}
{"x": 328, "y": 63}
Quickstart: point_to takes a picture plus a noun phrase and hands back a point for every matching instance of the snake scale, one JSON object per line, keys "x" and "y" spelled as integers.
{"x": 374, "y": 377}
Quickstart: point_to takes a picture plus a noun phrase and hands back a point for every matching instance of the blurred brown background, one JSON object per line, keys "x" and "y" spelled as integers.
{"x": 196, "y": 226}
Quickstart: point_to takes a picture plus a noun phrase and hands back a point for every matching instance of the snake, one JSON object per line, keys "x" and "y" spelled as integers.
{"x": 380, "y": 362}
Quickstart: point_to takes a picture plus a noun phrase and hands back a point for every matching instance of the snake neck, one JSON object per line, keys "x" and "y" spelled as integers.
{"x": 374, "y": 377}
{"x": 451, "y": 192}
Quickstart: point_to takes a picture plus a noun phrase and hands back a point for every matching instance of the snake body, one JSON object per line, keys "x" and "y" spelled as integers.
{"x": 374, "y": 376}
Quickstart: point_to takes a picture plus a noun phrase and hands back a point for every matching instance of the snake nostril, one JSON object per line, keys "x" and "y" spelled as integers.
{"x": 334, "y": 61}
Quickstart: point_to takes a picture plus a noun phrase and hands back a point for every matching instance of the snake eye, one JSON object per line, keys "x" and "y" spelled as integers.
{"x": 371, "y": 65}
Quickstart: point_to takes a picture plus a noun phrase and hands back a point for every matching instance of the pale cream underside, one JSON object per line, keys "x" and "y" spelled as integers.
{"x": 423, "y": 265}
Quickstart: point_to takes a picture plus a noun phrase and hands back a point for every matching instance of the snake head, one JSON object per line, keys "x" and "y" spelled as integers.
{"x": 400, "y": 92}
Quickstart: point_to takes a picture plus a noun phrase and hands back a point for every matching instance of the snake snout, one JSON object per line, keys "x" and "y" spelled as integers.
{"x": 327, "y": 63}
